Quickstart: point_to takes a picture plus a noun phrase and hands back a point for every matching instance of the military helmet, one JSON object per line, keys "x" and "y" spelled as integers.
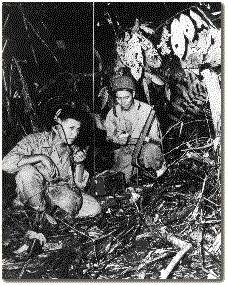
{"x": 123, "y": 82}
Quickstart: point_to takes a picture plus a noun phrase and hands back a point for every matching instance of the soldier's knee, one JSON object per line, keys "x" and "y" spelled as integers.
{"x": 152, "y": 156}
{"x": 90, "y": 206}
{"x": 26, "y": 173}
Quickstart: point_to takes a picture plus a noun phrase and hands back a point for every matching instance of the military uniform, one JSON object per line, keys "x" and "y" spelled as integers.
{"x": 32, "y": 179}
{"x": 132, "y": 121}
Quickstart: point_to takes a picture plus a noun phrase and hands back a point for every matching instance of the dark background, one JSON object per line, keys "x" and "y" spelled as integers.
{"x": 73, "y": 23}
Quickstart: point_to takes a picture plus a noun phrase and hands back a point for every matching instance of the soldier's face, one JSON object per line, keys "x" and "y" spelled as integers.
{"x": 71, "y": 129}
{"x": 125, "y": 99}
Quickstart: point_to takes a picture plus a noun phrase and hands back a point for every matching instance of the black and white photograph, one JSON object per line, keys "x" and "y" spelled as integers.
{"x": 112, "y": 141}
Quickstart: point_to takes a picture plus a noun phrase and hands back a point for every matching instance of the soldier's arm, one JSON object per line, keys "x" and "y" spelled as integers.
{"x": 113, "y": 134}
{"x": 20, "y": 155}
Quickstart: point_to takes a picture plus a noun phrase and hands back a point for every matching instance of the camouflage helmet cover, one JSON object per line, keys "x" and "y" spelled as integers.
{"x": 123, "y": 82}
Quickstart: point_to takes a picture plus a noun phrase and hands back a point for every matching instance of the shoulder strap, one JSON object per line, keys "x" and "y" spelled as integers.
{"x": 114, "y": 110}
{"x": 143, "y": 134}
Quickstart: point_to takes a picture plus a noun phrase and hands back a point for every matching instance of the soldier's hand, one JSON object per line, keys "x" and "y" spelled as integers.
{"x": 122, "y": 138}
{"x": 80, "y": 156}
